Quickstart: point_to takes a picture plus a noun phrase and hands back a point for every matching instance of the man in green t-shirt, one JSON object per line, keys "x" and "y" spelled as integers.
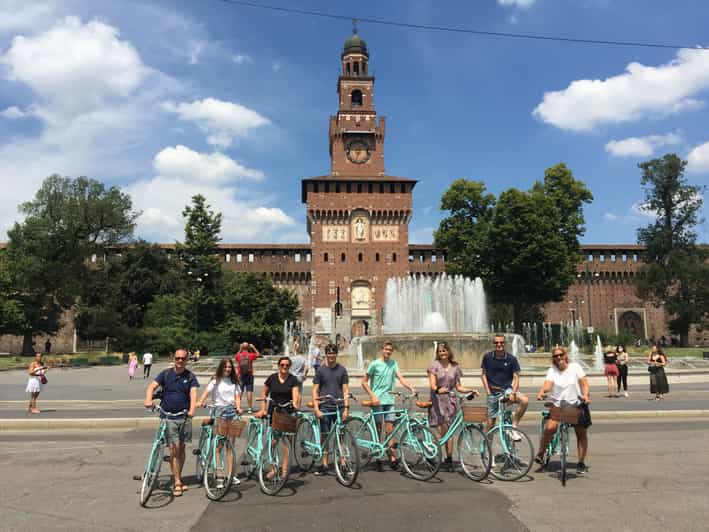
{"x": 378, "y": 382}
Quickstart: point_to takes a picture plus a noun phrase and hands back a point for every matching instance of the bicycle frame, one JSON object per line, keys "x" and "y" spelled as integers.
{"x": 379, "y": 448}
{"x": 554, "y": 446}
{"x": 317, "y": 448}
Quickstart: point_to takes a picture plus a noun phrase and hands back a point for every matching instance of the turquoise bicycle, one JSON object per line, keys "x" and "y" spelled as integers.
{"x": 309, "y": 447}
{"x": 268, "y": 443}
{"x": 417, "y": 447}
{"x": 566, "y": 416}
{"x": 156, "y": 456}
{"x": 216, "y": 456}
{"x": 473, "y": 450}
{"x": 511, "y": 449}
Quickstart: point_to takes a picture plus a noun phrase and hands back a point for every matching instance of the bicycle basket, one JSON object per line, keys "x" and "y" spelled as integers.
{"x": 475, "y": 414}
{"x": 565, "y": 414}
{"x": 283, "y": 422}
{"x": 230, "y": 427}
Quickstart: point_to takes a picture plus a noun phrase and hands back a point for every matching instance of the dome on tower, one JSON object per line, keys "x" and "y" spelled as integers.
{"x": 355, "y": 45}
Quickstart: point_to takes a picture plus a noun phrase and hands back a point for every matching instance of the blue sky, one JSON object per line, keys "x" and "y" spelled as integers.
{"x": 168, "y": 98}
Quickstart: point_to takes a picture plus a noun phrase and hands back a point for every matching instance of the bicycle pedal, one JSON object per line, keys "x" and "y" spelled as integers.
{"x": 137, "y": 477}
{"x": 196, "y": 452}
{"x": 166, "y": 458}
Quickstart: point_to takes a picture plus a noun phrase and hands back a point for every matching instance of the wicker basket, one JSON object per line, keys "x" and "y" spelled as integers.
{"x": 565, "y": 414}
{"x": 230, "y": 427}
{"x": 283, "y": 422}
{"x": 475, "y": 414}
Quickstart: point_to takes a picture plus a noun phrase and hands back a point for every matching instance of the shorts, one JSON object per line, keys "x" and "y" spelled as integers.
{"x": 247, "y": 382}
{"x": 611, "y": 370}
{"x": 225, "y": 412}
{"x": 179, "y": 430}
{"x": 388, "y": 415}
{"x": 327, "y": 421}
{"x": 493, "y": 404}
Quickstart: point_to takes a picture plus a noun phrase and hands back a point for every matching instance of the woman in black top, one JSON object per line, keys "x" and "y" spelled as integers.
{"x": 657, "y": 360}
{"x": 611, "y": 370}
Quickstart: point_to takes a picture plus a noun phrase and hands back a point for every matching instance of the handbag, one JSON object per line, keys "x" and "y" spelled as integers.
{"x": 43, "y": 378}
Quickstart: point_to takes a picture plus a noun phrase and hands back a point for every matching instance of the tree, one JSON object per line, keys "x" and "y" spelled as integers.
{"x": 524, "y": 245}
{"x": 46, "y": 258}
{"x": 675, "y": 272}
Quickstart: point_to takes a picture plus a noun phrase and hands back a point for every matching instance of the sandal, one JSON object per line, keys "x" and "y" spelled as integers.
{"x": 177, "y": 490}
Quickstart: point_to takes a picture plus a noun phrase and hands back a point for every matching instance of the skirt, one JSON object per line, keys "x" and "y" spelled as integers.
{"x": 33, "y": 385}
{"x": 658, "y": 381}
{"x": 611, "y": 370}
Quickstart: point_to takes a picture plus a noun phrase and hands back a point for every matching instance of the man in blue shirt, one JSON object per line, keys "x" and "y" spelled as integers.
{"x": 500, "y": 371}
{"x": 179, "y": 400}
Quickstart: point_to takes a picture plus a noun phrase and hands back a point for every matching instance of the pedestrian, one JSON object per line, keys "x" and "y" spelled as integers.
{"x": 444, "y": 376}
{"x": 36, "y": 380}
{"x": 147, "y": 364}
{"x": 500, "y": 372}
{"x": 47, "y": 346}
{"x": 568, "y": 385}
{"x": 610, "y": 370}
{"x": 225, "y": 394}
{"x": 330, "y": 379}
{"x": 378, "y": 382}
{"x": 179, "y": 400}
{"x": 621, "y": 361}
{"x": 299, "y": 368}
{"x": 245, "y": 371}
{"x": 316, "y": 357}
{"x": 657, "y": 360}
{"x": 132, "y": 365}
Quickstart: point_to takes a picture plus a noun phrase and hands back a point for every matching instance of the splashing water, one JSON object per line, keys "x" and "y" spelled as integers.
{"x": 598, "y": 354}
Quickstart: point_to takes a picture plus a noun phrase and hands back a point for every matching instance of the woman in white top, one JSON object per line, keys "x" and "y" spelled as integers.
{"x": 36, "y": 379}
{"x": 567, "y": 384}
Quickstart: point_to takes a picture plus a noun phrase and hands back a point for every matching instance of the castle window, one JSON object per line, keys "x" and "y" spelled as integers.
{"x": 359, "y": 188}
{"x": 635, "y": 257}
{"x": 403, "y": 188}
{"x": 315, "y": 187}
{"x": 349, "y": 187}
{"x": 327, "y": 187}
{"x": 239, "y": 258}
{"x": 624, "y": 257}
{"x": 613, "y": 257}
{"x": 393, "y": 257}
{"x": 392, "y": 188}
{"x": 433, "y": 258}
{"x": 251, "y": 257}
{"x": 370, "y": 188}
{"x": 590, "y": 257}
{"x": 296, "y": 258}
{"x": 381, "y": 188}
{"x": 356, "y": 95}
{"x": 307, "y": 257}
{"x": 602, "y": 257}
{"x": 411, "y": 258}
{"x": 325, "y": 258}
{"x": 355, "y": 70}
{"x": 359, "y": 257}
{"x": 337, "y": 188}
{"x": 342, "y": 257}
{"x": 227, "y": 258}
{"x": 376, "y": 257}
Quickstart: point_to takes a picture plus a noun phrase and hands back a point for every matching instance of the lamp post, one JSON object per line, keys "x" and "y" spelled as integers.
{"x": 199, "y": 279}
{"x": 588, "y": 277}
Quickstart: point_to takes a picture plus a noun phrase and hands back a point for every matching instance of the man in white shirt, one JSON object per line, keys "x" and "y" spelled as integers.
{"x": 147, "y": 364}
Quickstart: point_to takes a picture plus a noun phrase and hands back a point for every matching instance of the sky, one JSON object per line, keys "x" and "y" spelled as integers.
{"x": 170, "y": 98}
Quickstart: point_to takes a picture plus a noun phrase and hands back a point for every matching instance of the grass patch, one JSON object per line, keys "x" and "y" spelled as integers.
{"x": 64, "y": 360}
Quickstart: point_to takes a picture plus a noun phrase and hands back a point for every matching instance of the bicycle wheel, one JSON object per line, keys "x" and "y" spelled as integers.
{"x": 563, "y": 449}
{"x": 363, "y": 437}
{"x": 304, "y": 443}
{"x": 246, "y": 465}
{"x": 346, "y": 458}
{"x": 219, "y": 468}
{"x": 511, "y": 460}
{"x": 200, "y": 452}
{"x": 151, "y": 473}
{"x": 419, "y": 452}
{"x": 474, "y": 452}
{"x": 274, "y": 466}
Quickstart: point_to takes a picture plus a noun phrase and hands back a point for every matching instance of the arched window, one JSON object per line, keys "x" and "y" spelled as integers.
{"x": 359, "y": 257}
{"x": 376, "y": 257}
{"x": 356, "y": 98}
{"x": 342, "y": 257}
{"x": 325, "y": 258}
{"x": 393, "y": 257}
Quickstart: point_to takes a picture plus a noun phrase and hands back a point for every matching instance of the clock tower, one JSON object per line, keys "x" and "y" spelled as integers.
{"x": 356, "y": 133}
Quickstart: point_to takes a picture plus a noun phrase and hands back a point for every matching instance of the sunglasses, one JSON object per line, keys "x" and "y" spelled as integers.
{"x": 557, "y": 356}
{"x": 499, "y": 343}
{"x": 180, "y": 358}
{"x": 284, "y": 365}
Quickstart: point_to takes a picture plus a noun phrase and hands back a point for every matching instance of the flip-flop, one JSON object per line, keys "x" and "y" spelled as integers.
{"x": 177, "y": 490}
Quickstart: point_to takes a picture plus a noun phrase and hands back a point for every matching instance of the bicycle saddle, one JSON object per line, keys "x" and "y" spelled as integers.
{"x": 370, "y": 403}
{"x": 424, "y": 404}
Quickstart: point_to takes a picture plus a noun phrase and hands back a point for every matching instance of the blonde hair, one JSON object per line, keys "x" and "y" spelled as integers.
{"x": 564, "y": 354}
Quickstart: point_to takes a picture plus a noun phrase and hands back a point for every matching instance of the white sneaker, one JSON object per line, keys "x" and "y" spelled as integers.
{"x": 235, "y": 481}
{"x": 515, "y": 436}
{"x": 626, "y": 394}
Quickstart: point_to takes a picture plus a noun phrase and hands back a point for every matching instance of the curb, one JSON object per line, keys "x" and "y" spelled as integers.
{"x": 7, "y": 425}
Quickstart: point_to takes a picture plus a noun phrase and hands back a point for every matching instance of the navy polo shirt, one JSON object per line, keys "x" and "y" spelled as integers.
{"x": 499, "y": 371}
{"x": 176, "y": 389}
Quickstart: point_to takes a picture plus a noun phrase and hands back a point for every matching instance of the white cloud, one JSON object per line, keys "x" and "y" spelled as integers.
{"x": 638, "y": 92}
{"x": 641, "y": 146}
{"x": 641, "y": 210}
{"x": 183, "y": 163}
{"x": 242, "y": 59}
{"x": 698, "y": 159}
{"x": 21, "y": 14}
{"x": 517, "y": 3}
{"x": 276, "y": 67}
{"x": 610, "y": 216}
{"x": 222, "y": 121}
{"x": 14, "y": 112}
{"x": 422, "y": 235}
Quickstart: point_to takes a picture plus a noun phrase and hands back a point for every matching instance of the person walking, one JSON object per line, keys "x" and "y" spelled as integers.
{"x": 621, "y": 361}
{"x": 610, "y": 370}
{"x": 132, "y": 365}
{"x": 147, "y": 364}
{"x": 316, "y": 357}
{"x": 47, "y": 346}
{"x": 330, "y": 379}
{"x": 299, "y": 368}
{"x": 179, "y": 396}
{"x": 378, "y": 382}
{"x": 245, "y": 371}
{"x": 444, "y": 376}
{"x": 657, "y": 360}
{"x": 36, "y": 380}
{"x": 500, "y": 372}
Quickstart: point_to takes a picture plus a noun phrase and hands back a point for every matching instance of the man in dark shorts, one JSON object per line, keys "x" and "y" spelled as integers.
{"x": 330, "y": 379}
{"x": 179, "y": 396}
{"x": 245, "y": 371}
{"x": 500, "y": 371}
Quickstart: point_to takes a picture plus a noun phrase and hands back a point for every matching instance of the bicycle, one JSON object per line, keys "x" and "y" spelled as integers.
{"x": 566, "y": 416}
{"x": 417, "y": 446}
{"x": 266, "y": 450}
{"x": 308, "y": 447}
{"x": 216, "y": 457}
{"x": 511, "y": 449}
{"x": 473, "y": 450}
{"x": 156, "y": 456}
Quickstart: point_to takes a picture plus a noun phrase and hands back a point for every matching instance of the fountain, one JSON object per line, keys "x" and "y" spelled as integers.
{"x": 598, "y": 354}
{"x": 574, "y": 352}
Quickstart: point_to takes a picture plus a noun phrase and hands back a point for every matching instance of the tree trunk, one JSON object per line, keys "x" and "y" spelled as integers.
{"x": 517, "y": 317}
{"x": 684, "y": 337}
{"x": 27, "y": 347}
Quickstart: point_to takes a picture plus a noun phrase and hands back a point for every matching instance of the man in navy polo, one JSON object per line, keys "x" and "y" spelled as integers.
{"x": 500, "y": 371}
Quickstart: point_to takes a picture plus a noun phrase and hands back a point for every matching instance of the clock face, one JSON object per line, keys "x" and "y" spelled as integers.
{"x": 358, "y": 151}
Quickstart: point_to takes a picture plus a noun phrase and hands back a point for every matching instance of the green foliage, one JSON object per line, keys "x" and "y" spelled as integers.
{"x": 524, "y": 245}
{"x": 676, "y": 272}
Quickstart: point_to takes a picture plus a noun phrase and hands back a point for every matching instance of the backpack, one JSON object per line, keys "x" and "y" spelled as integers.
{"x": 244, "y": 363}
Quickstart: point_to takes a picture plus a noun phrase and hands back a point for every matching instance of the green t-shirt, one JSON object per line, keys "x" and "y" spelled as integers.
{"x": 381, "y": 379}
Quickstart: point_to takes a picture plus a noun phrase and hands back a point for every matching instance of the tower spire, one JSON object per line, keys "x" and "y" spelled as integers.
{"x": 354, "y": 26}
